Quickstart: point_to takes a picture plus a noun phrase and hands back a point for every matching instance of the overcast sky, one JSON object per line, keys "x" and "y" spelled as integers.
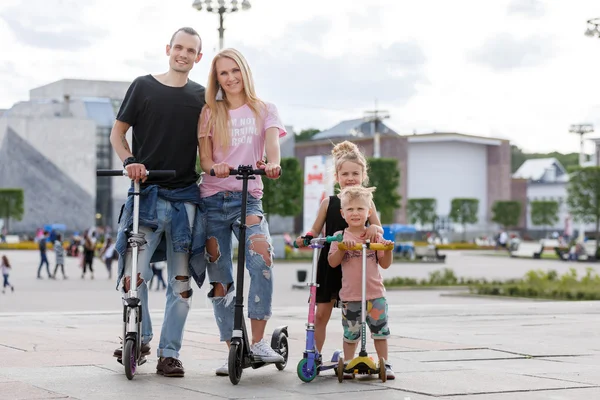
{"x": 516, "y": 69}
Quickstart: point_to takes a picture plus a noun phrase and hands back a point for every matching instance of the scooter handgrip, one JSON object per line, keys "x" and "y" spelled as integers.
{"x": 111, "y": 172}
{"x": 337, "y": 238}
{"x": 372, "y": 246}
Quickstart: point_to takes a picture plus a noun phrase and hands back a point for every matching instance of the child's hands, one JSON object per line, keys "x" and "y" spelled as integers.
{"x": 299, "y": 242}
{"x": 387, "y": 242}
{"x": 371, "y": 234}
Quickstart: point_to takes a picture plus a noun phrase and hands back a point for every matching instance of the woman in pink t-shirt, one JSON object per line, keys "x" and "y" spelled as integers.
{"x": 237, "y": 128}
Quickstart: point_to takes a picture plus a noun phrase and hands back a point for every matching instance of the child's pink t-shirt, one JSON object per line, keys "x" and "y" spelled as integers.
{"x": 352, "y": 272}
{"x": 247, "y": 147}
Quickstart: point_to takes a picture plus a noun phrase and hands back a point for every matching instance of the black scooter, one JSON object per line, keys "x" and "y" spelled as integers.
{"x": 240, "y": 356}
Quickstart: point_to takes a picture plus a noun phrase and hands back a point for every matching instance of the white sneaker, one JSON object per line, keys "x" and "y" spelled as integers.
{"x": 263, "y": 350}
{"x": 223, "y": 370}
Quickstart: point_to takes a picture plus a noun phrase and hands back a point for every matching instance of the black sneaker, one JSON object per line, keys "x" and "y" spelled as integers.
{"x": 145, "y": 350}
{"x": 170, "y": 367}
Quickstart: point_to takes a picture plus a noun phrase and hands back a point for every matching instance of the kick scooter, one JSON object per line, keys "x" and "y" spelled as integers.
{"x": 363, "y": 364}
{"x": 132, "y": 307}
{"x": 240, "y": 356}
{"x": 311, "y": 364}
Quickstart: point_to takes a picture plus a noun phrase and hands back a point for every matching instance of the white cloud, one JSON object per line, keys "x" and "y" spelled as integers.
{"x": 520, "y": 69}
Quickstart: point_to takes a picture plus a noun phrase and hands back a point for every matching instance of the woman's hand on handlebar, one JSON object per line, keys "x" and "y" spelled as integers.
{"x": 222, "y": 170}
{"x": 272, "y": 170}
{"x": 137, "y": 172}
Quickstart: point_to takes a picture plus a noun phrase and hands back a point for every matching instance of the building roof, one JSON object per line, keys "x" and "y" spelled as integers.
{"x": 535, "y": 169}
{"x": 353, "y": 128}
{"x": 453, "y": 137}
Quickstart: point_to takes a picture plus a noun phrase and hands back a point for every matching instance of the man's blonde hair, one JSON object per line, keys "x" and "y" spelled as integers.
{"x": 356, "y": 193}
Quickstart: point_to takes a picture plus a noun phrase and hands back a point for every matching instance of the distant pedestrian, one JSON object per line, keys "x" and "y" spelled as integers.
{"x": 59, "y": 251}
{"x": 88, "y": 255}
{"x": 43, "y": 257}
{"x": 5, "y": 265}
{"x": 108, "y": 255}
{"x": 157, "y": 272}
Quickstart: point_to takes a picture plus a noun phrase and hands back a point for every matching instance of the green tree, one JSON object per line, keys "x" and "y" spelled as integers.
{"x": 584, "y": 196}
{"x": 384, "y": 175}
{"x": 283, "y": 196}
{"x": 544, "y": 213}
{"x": 421, "y": 211}
{"x": 11, "y": 205}
{"x": 506, "y": 213}
{"x": 306, "y": 135}
{"x": 464, "y": 211}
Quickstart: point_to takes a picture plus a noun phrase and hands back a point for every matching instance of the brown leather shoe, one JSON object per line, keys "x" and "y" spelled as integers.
{"x": 145, "y": 350}
{"x": 170, "y": 367}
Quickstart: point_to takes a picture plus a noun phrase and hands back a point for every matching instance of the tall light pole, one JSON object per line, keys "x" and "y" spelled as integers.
{"x": 593, "y": 28}
{"x": 375, "y": 118}
{"x": 581, "y": 130}
{"x": 222, "y": 7}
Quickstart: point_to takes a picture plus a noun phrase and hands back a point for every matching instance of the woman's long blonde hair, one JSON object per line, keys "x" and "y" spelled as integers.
{"x": 218, "y": 121}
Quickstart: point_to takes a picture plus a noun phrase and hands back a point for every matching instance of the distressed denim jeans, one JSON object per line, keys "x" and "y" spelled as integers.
{"x": 177, "y": 306}
{"x": 223, "y": 218}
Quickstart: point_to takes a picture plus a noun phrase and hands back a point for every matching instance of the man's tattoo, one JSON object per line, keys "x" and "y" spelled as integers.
{"x": 124, "y": 143}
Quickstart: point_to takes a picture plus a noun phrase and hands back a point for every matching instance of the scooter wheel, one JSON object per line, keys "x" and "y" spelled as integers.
{"x": 340, "y": 370}
{"x": 235, "y": 362}
{"x": 304, "y": 373}
{"x": 129, "y": 358}
{"x": 282, "y": 348}
{"x": 382, "y": 371}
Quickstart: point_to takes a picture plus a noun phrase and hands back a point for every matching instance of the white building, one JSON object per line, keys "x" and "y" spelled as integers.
{"x": 548, "y": 180}
{"x": 51, "y": 147}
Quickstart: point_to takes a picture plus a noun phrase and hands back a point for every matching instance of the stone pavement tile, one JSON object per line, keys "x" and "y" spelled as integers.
{"x": 423, "y": 344}
{"x": 448, "y": 383}
{"x": 565, "y": 394}
{"x": 54, "y": 358}
{"x": 584, "y": 375}
{"x": 24, "y": 391}
{"x": 454, "y": 355}
{"x": 524, "y": 366}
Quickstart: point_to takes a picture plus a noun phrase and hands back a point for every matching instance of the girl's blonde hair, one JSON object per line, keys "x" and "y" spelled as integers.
{"x": 350, "y": 193}
{"x": 348, "y": 151}
{"x": 218, "y": 121}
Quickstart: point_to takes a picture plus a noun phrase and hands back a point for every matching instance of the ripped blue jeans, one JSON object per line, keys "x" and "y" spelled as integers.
{"x": 178, "y": 277}
{"x": 223, "y": 212}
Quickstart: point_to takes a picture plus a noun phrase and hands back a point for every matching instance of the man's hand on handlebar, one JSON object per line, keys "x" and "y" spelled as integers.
{"x": 222, "y": 170}
{"x": 137, "y": 172}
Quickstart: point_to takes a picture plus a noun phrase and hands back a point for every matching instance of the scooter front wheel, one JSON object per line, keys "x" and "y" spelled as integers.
{"x": 382, "y": 370}
{"x": 129, "y": 358}
{"x": 304, "y": 373}
{"x": 235, "y": 362}
{"x": 340, "y": 370}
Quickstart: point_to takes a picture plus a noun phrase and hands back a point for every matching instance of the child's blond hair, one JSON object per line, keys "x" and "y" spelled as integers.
{"x": 348, "y": 151}
{"x": 356, "y": 193}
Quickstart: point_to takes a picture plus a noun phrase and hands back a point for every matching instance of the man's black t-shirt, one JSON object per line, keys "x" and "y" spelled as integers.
{"x": 165, "y": 123}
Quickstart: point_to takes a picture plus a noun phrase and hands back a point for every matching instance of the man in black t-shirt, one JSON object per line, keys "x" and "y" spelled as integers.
{"x": 163, "y": 111}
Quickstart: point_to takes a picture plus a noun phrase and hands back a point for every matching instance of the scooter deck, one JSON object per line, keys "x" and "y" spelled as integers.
{"x": 328, "y": 365}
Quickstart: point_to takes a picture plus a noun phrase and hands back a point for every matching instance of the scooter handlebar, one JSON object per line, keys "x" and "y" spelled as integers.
{"x": 123, "y": 172}
{"x": 370, "y": 246}
{"x": 308, "y": 239}
{"x": 244, "y": 170}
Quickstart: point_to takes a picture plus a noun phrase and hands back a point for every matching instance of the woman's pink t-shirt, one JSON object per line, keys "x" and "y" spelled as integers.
{"x": 247, "y": 147}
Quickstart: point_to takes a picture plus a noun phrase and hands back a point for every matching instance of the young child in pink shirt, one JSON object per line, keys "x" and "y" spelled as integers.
{"x": 356, "y": 209}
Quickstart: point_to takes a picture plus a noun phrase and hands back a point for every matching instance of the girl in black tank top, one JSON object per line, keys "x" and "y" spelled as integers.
{"x": 328, "y": 278}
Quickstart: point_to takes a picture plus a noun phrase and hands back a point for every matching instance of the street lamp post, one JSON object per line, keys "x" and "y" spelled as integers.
{"x": 581, "y": 130}
{"x": 222, "y": 7}
{"x": 375, "y": 117}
